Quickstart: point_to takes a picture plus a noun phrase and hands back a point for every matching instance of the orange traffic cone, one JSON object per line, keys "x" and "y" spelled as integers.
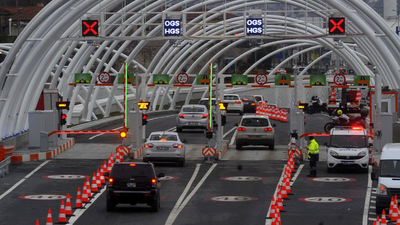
{"x": 383, "y": 218}
{"x": 391, "y": 207}
{"x": 98, "y": 181}
{"x": 272, "y": 208}
{"x": 117, "y": 157}
{"x": 377, "y": 220}
{"x": 284, "y": 116}
{"x": 62, "y": 218}
{"x": 102, "y": 179}
{"x": 78, "y": 202}
{"x": 68, "y": 207}
{"x": 49, "y": 220}
{"x": 288, "y": 188}
{"x": 88, "y": 190}
{"x": 283, "y": 190}
{"x": 37, "y": 221}
{"x": 279, "y": 201}
{"x": 333, "y": 96}
{"x": 358, "y": 96}
{"x": 109, "y": 166}
{"x": 278, "y": 217}
{"x": 94, "y": 184}
{"x": 273, "y": 214}
{"x": 395, "y": 213}
{"x": 85, "y": 196}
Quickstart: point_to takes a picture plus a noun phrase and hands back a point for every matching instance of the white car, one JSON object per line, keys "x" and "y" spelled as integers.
{"x": 255, "y": 130}
{"x": 164, "y": 146}
{"x": 235, "y": 104}
{"x": 192, "y": 117}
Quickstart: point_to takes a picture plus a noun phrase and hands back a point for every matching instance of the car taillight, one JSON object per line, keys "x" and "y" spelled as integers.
{"x": 253, "y": 103}
{"x": 238, "y": 102}
{"x": 149, "y": 145}
{"x": 204, "y": 116}
{"x": 241, "y": 129}
{"x": 177, "y": 145}
{"x": 132, "y": 164}
{"x": 153, "y": 183}
{"x": 245, "y": 99}
{"x": 268, "y": 129}
{"x": 357, "y": 128}
{"x": 182, "y": 115}
{"x": 110, "y": 180}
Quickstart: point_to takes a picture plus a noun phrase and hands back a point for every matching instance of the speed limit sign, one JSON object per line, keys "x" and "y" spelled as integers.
{"x": 182, "y": 78}
{"x": 261, "y": 79}
{"x": 104, "y": 77}
{"x": 339, "y": 79}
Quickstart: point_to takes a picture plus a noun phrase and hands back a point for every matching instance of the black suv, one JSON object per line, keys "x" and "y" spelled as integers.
{"x": 132, "y": 183}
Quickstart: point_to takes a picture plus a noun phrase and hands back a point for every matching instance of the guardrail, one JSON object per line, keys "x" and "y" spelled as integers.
{"x": 4, "y": 166}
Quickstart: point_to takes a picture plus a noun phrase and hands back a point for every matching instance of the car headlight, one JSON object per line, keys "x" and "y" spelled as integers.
{"x": 333, "y": 153}
{"x": 382, "y": 189}
{"x": 362, "y": 154}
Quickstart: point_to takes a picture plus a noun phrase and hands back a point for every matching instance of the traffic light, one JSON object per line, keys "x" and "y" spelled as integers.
{"x": 90, "y": 28}
{"x": 337, "y": 25}
{"x": 144, "y": 119}
{"x": 223, "y": 120}
{"x": 62, "y": 105}
{"x": 122, "y": 134}
{"x": 63, "y": 119}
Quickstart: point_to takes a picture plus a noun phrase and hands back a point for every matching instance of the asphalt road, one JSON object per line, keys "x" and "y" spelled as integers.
{"x": 235, "y": 190}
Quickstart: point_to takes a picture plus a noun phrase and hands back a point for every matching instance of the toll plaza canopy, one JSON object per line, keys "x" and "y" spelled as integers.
{"x": 67, "y": 38}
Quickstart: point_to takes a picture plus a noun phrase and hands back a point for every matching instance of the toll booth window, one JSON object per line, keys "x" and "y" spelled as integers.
{"x": 163, "y": 136}
{"x": 255, "y": 122}
{"x": 390, "y": 168}
{"x": 348, "y": 141}
{"x": 193, "y": 109}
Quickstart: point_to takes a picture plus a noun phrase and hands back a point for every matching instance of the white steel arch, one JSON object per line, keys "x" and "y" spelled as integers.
{"x": 50, "y": 49}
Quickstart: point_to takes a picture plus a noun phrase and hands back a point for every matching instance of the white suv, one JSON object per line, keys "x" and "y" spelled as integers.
{"x": 255, "y": 130}
{"x": 348, "y": 146}
{"x": 235, "y": 104}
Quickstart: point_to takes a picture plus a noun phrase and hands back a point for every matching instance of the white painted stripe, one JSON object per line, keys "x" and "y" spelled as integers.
{"x": 367, "y": 197}
{"x": 229, "y": 131}
{"x": 79, "y": 212}
{"x": 23, "y": 179}
{"x": 179, "y": 205}
{"x": 233, "y": 137}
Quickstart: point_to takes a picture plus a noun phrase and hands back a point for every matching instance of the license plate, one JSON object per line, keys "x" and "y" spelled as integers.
{"x": 131, "y": 184}
{"x": 347, "y": 163}
{"x": 254, "y": 136}
{"x": 192, "y": 123}
{"x": 162, "y": 148}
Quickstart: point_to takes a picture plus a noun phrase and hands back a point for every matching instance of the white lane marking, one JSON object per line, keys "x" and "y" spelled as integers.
{"x": 79, "y": 212}
{"x": 23, "y": 179}
{"x": 97, "y": 135}
{"x": 179, "y": 206}
{"x": 233, "y": 137}
{"x": 268, "y": 221}
{"x": 229, "y": 132}
{"x": 367, "y": 197}
{"x": 171, "y": 129}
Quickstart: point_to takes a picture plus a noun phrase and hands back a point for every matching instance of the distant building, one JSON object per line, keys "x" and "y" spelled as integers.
{"x": 17, "y": 17}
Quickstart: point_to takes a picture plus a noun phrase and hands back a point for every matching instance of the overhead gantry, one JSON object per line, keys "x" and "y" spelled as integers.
{"x": 51, "y": 49}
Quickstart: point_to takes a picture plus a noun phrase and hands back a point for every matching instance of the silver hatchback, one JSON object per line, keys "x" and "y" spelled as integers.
{"x": 192, "y": 117}
{"x": 255, "y": 130}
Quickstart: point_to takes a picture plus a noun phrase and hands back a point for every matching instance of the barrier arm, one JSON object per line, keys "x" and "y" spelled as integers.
{"x": 84, "y": 132}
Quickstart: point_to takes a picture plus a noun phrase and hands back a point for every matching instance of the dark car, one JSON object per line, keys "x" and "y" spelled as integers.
{"x": 250, "y": 103}
{"x": 132, "y": 183}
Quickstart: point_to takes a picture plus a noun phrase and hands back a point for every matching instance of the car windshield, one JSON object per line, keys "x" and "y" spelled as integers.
{"x": 231, "y": 97}
{"x": 248, "y": 98}
{"x": 122, "y": 171}
{"x": 255, "y": 122}
{"x": 167, "y": 137}
{"x": 205, "y": 102}
{"x": 390, "y": 168}
{"x": 193, "y": 109}
{"x": 348, "y": 141}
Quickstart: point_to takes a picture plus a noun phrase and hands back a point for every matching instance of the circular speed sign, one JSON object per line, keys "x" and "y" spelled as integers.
{"x": 339, "y": 79}
{"x": 261, "y": 79}
{"x": 104, "y": 77}
{"x": 182, "y": 78}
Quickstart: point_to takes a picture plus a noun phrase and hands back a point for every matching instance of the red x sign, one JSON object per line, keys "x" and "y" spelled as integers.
{"x": 337, "y": 25}
{"x": 90, "y": 28}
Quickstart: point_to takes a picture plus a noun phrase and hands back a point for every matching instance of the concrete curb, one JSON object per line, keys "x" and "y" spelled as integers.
{"x": 222, "y": 152}
{"x": 43, "y": 155}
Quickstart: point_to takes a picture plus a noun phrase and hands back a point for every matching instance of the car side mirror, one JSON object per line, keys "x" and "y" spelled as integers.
{"x": 273, "y": 125}
{"x": 161, "y": 175}
{"x": 185, "y": 141}
{"x": 236, "y": 124}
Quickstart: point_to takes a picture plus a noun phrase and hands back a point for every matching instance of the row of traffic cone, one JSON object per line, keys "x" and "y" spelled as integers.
{"x": 394, "y": 213}
{"x": 88, "y": 190}
{"x": 272, "y": 112}
{"x": 284, "y": 189}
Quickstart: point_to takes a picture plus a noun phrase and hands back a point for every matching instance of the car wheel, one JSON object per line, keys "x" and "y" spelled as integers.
{"x": 239, "y": 146}
{"x": 110, "y": 205}
{"x": 182, "y": 163}
{"x": 271, "y": 146}
{"x": 156, "y": 204}
{"x": 178, "y": 129}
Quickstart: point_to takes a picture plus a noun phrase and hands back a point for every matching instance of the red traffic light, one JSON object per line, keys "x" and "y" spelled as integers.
{"x": 90, "y": 28}
{"x": 145, "y": 117}
{"x": 63, "y": 119}
{"x": 337, "y": 25}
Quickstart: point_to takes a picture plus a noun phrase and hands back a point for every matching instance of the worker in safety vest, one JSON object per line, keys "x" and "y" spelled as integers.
{"x": 313, "y": 156}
